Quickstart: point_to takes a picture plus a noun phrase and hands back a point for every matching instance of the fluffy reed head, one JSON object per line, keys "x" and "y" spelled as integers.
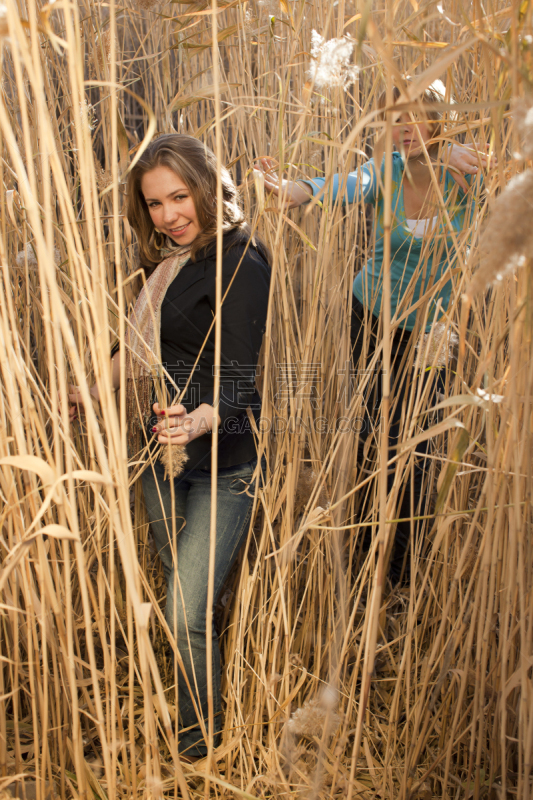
{"x": 438, "y": 347}
{"x": 304, "y": 489}
{"x": 523, "y": 114}
{"x": 173, "y": 457}
{"x": 28, "y": 256}
{"x": 103, "y": 50}
{"x": 317, "y": 717}
{"x": 508, "y": 236}
{"x": 331, "y": 64}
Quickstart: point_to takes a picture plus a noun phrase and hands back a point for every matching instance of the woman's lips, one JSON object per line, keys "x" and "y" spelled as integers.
{"x": 179, "y": 231}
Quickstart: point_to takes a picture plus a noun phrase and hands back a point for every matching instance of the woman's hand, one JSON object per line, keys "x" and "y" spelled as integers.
{"x": 295, "y": 193}
{"x": 75, "y": 398}
{"x": 176, "y": 426}
{"x": 467, "y": 160}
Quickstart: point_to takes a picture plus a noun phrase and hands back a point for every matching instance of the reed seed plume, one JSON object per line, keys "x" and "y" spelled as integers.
{"x": 507, "y": 240}
{"x": 317, "y": 717}
{"x": 102, "y": 45}
{"x": 148, "y": 5}
{"x": 331, "y": 64}
{"x": 523, "y": 114}
{"x": 103, "y": 177}
{"x": 439, "y": 346}
{"x": 305, "y": 487}
{"x": 174, "y": 458}
{"x": 28, "y": 256}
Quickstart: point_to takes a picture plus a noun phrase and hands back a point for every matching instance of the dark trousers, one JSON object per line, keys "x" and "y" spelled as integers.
{"x": 401, "y": 381}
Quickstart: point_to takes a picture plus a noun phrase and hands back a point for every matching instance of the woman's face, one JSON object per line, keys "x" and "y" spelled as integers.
{"x": 170, "y": 205}
{"x": 408, "y": 135}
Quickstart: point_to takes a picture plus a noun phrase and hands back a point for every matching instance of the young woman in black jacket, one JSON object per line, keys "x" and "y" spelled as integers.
{"x": 172, "y": 208}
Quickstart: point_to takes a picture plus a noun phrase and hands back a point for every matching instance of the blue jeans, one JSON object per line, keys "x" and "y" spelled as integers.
{"x": 185, "y": 562}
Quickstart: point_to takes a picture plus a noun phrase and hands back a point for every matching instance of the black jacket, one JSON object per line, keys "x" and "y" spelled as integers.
{"x": 187, "y": 312}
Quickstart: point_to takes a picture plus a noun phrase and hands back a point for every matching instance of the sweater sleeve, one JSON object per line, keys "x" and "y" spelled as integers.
{"x": 358, "y": 186}
{"x": 245, "y": 292}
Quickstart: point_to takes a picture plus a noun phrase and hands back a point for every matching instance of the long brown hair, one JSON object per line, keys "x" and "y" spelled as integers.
{"x": 196, "y": 165}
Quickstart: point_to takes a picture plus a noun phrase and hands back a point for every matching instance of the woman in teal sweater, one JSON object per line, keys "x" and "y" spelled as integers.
{"x": 427, "y": 234}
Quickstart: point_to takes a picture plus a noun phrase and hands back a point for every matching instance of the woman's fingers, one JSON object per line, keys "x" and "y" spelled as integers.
{"x": 170, "y": 411}
{"x": 272, "y": 185}
{"x": 472, "y": 157}
{"x": 74, "y": 394}
{"x": 169, "y": 437}
{"x": 175, "y": 411}
{"x": 272, "y": 182}
{"x": 172, "y": 432}
{"x": 267, "y": 165}
{"x": 269, "y": 168}
{"x": 75, "y": 402}
{"x": 174, "y": 424}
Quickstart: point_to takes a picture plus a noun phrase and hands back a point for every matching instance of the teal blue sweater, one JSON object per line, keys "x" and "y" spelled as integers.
{"x": 417, "y": 264}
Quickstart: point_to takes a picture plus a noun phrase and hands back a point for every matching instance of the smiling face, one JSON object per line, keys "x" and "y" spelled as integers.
{"x": 170, "y": 205}
{"x": 408, "y": 135}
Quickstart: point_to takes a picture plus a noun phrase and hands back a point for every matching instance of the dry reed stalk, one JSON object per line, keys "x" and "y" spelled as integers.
{"x": 446, "y": 660}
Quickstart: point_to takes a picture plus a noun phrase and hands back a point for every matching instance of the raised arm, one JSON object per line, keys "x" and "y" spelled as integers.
{"x": 360, "y": 185}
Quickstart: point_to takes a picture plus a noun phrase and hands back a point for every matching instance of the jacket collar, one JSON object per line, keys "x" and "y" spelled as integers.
{"x": 190, "y": 273}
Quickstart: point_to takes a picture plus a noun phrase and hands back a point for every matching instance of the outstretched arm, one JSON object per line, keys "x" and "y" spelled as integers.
{"x": 296, "y": 192}
{"x": 360, "y": 185}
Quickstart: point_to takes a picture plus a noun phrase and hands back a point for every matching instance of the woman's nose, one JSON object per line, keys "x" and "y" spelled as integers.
{"x": 169, "y": 213}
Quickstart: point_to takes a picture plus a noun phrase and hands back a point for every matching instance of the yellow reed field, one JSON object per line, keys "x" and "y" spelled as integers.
{"x": 335, "y": 684}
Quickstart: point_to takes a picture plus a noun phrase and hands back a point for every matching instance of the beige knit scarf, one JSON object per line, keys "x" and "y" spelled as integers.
{"x": 143, "y": 359}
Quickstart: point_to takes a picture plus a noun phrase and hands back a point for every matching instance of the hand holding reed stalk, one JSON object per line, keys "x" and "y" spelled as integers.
{"x": 176, "y": 429}
{"x": 294, "y": 193}
{"x": 176, "y": 426}
{"x": 463, "y": 160}
{"x": 75, "y": 400}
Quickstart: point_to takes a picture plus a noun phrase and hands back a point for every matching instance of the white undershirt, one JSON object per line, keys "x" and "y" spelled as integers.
{"x": 419, "y": 227}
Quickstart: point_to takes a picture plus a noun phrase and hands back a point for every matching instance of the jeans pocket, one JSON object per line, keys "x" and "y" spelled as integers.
{"x": 238, "y": 479}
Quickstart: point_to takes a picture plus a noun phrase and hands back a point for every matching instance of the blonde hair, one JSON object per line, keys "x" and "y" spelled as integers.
{"x": 196, "y": 165}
